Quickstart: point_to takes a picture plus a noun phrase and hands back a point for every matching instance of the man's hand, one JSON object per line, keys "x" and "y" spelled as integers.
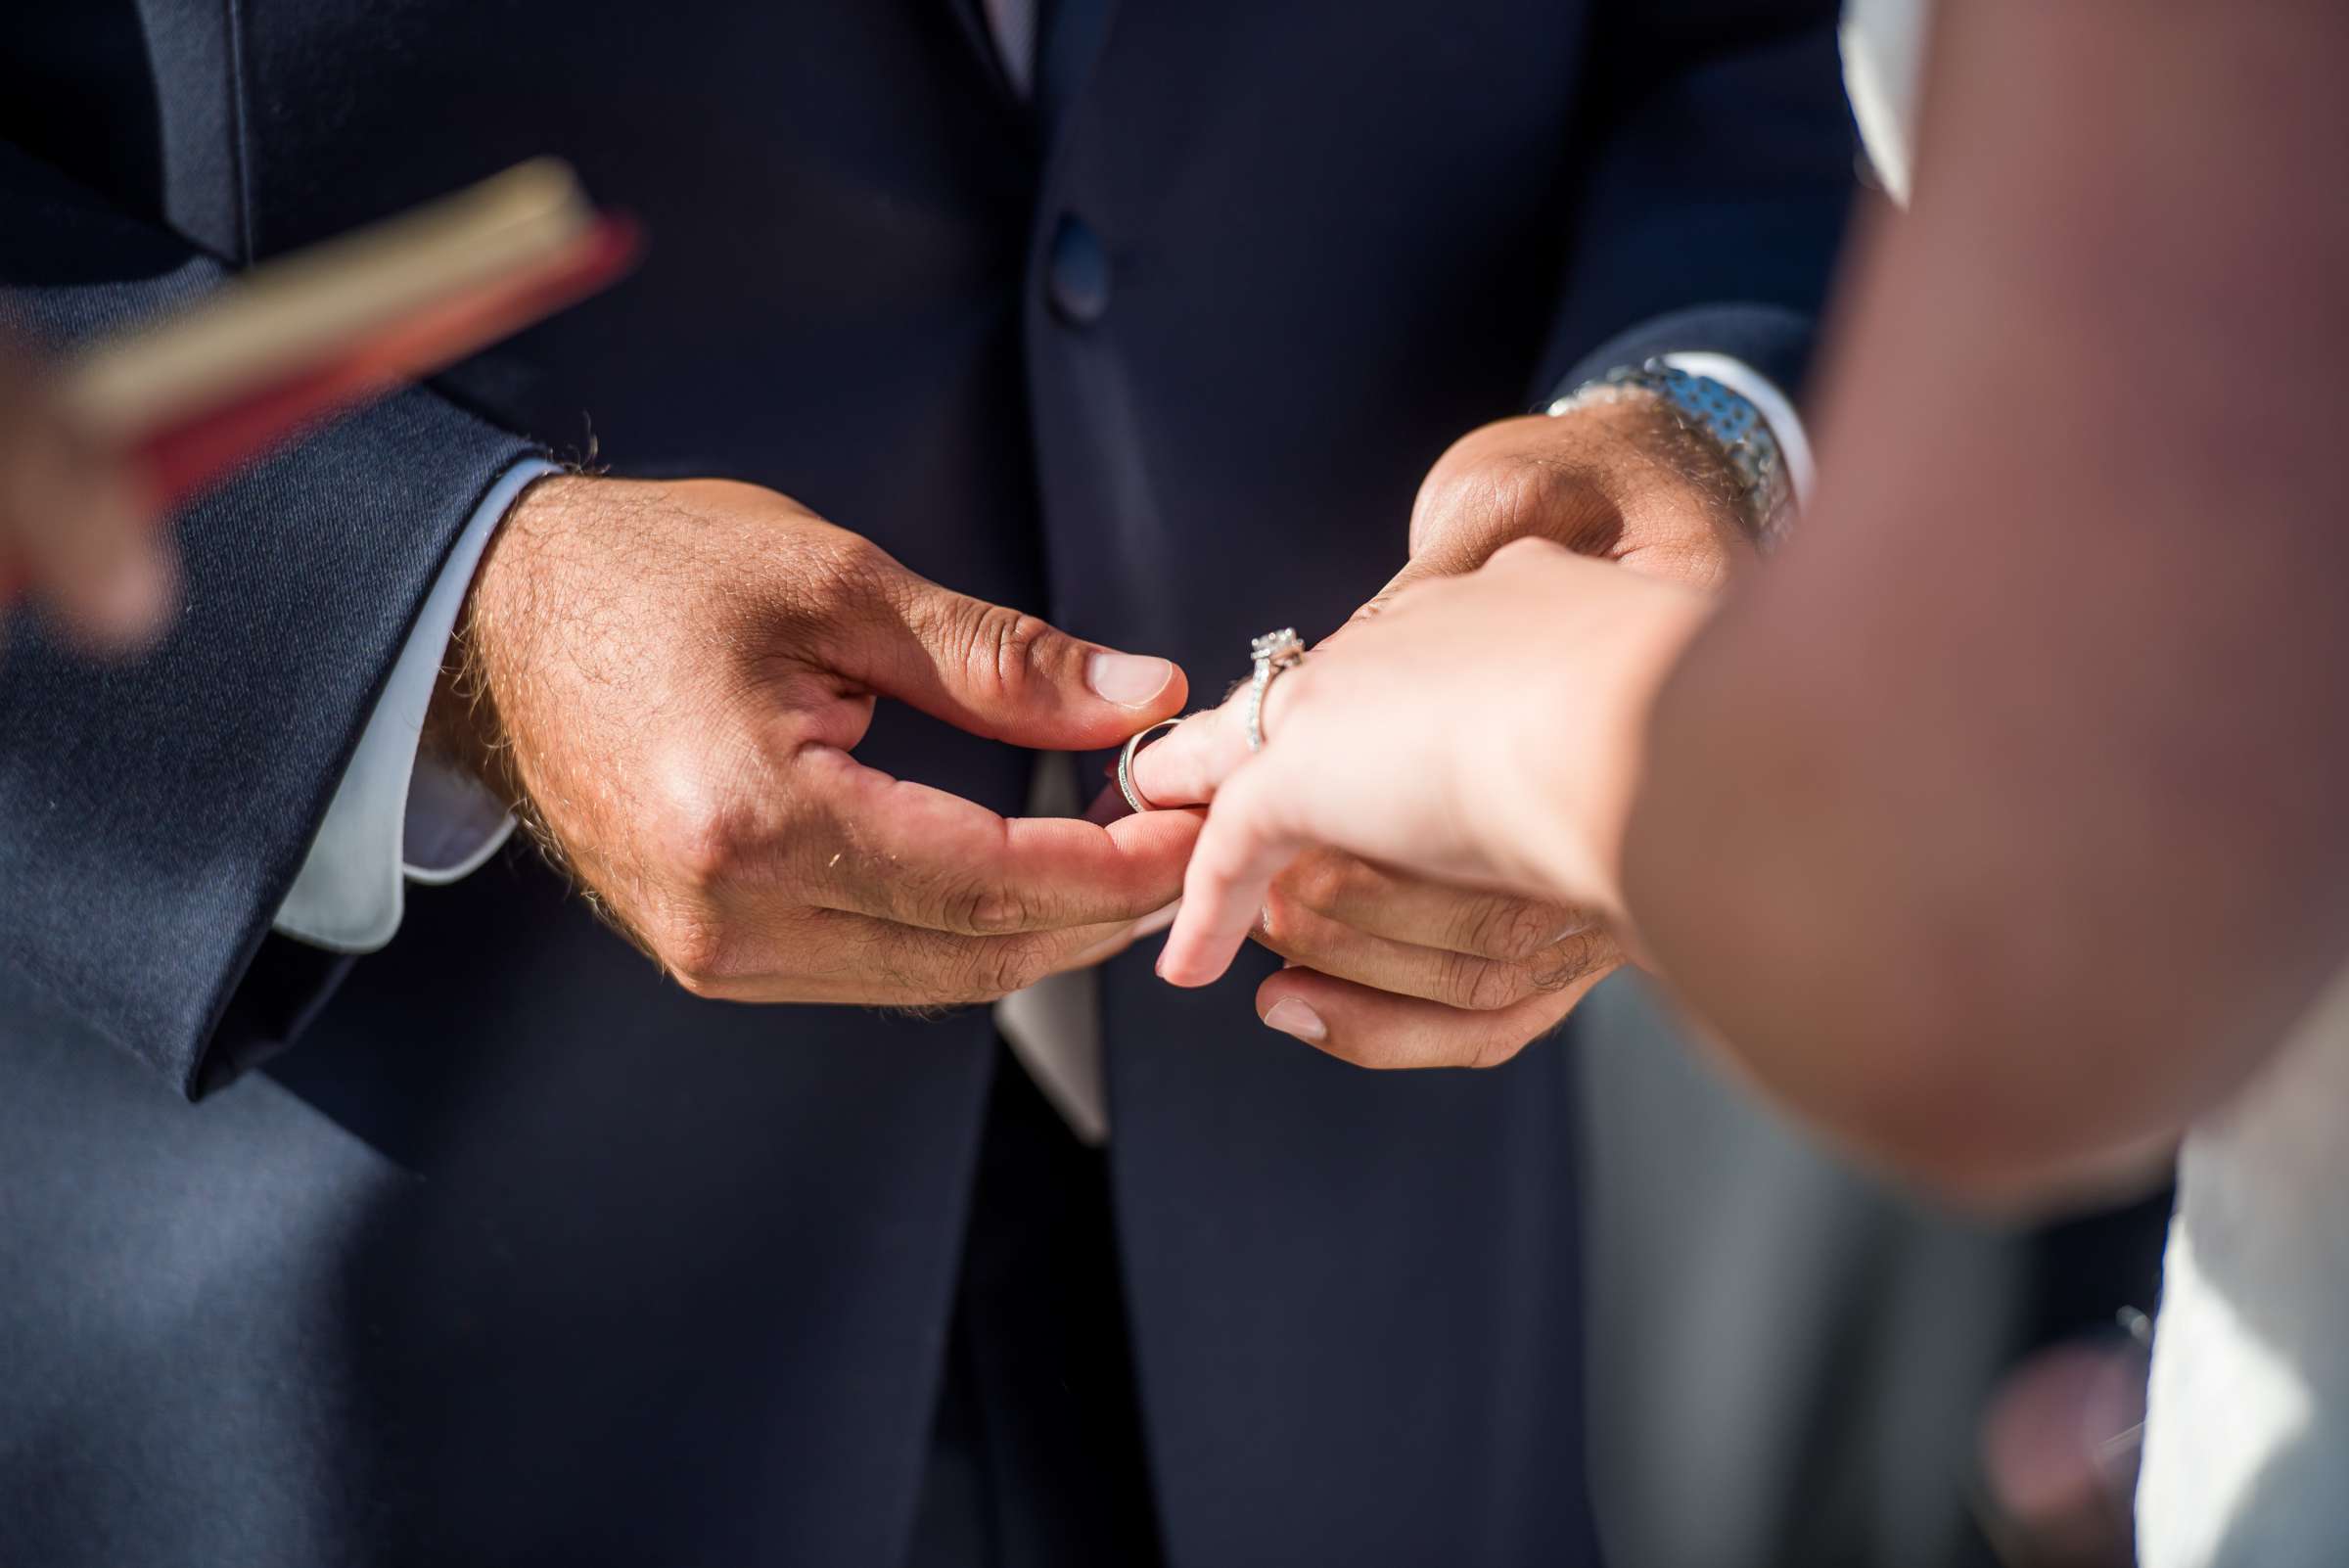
{"x": 1397, "y": 971}
{"x": 668, "y": 680}
{"x": 1621, "y": 481}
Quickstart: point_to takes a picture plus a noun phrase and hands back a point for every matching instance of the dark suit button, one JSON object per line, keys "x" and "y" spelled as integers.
{"x": 1078, "y": 283}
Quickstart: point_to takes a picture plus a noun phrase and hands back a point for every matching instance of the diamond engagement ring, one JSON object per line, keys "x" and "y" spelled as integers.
{"x": 1273, "y": 652}
{"x": 1126, "y": 787}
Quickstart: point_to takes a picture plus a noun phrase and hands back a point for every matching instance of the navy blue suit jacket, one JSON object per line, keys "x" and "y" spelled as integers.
{"x": 517, "y": 1253}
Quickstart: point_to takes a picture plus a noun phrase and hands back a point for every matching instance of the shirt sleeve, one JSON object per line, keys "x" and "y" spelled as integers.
{"x": 396, "y": 817}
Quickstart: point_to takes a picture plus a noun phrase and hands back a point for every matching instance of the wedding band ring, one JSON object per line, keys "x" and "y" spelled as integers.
{"x": 1273, "y": 652}
{"x": 1133, "y": 797}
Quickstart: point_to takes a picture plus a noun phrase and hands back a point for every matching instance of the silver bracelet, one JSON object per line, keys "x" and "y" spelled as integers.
{"x": 1727, "y": 420}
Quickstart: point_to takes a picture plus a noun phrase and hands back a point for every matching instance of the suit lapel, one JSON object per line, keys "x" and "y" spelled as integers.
{"x": 970, "y": 19}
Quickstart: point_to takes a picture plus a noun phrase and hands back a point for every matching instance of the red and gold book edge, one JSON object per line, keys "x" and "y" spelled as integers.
{"x": 179, "y": 460}
{"x": 184, "y": 400}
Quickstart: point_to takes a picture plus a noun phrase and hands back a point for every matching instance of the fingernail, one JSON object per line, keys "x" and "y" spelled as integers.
{"x": 1129, "y": 681}
{"x": 1293, "y": 1017}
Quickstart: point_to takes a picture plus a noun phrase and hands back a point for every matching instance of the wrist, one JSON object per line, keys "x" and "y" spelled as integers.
{"x": 464, "y": 729}
{"x": 461, "y": 732}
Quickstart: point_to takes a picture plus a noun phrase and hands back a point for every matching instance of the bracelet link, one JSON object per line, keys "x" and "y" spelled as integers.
{"x": 1724, "y": 419}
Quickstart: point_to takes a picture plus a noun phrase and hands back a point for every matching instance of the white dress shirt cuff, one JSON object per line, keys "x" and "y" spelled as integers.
{"x": 393, "y": 817}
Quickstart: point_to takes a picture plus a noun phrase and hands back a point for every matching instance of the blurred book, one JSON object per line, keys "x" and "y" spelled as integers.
{"x": 190, "y": 397}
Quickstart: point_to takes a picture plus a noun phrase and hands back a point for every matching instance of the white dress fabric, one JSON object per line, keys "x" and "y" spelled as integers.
{"x": 1884, "y": 74}
{"x": 2246, "y": 1457}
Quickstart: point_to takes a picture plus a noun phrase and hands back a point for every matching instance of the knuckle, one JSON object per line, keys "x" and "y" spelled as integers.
{"x": 1482, "y": 986}
{"x": 845, "y": 567}
{"x": 1513, "y": 930}
{"x": 1502, "y": 495}
{"x": 1276, "y": 923}
{"x": 998, "y": 910}
{"x": 1004, "y": 651}
{"x": 1007, "y": 964}
{"x": 1462, "y": 476}
{"x": 704, "y": 850}
{"x": 979, "y": 907}
{"x": 1317, "y": 882}
{"x": 1577, "y": 957}
{"x": 704, "y": 832}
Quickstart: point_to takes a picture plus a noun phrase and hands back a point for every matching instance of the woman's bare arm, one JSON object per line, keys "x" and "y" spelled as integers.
{"x": 2006, "y": 823}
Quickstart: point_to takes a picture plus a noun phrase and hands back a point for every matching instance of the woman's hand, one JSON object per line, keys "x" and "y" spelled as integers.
{"x": 1483, "y": 730}
{"x": 1389, "y": 969}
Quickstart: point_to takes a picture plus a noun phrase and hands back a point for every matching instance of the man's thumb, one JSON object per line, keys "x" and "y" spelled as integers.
{"x": 1010, "y": 676}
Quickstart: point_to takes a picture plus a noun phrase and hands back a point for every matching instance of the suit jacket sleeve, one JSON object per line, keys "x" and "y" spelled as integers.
{"x": 1714, "y": 199}
{"x": 153, "y": 815}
